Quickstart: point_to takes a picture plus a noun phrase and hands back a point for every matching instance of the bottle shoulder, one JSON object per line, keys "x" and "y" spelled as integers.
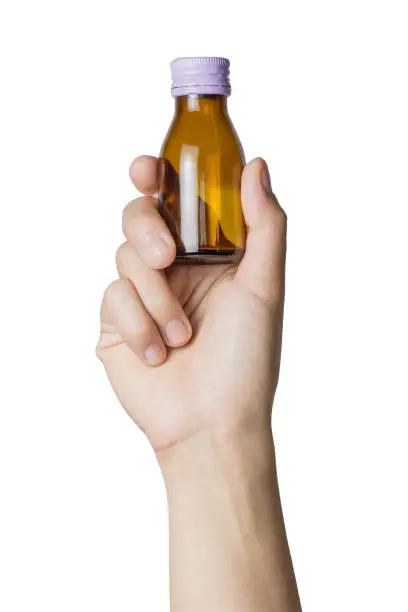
{"x": 210, "y": 134}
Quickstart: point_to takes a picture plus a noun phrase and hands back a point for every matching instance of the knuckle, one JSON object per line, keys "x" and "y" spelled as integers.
{"x": 129, "y": 208}
{"x": 128, "y": 214}
{"x": 140, "y": 207}
{"x": 141, "y": 333}
{"x": 122, "y": 255}
{"x": 136, "y": 221}
{"x": 99, "y": 353}
{"x": 284, "y": 215}
{"x": 112, "y": 291}
{"x": 280, "y": 212}
{"x": 280, "y": 218}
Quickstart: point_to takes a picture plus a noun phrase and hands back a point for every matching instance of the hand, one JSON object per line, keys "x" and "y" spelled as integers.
{"x": 192, "y": 349}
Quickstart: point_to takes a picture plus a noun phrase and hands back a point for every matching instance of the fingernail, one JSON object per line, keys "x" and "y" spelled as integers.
{"x": 266, "y": 179}
{"x": 154, "y": 354}
{"x": 157, "y": 244}
{"x": 176, "y": 332}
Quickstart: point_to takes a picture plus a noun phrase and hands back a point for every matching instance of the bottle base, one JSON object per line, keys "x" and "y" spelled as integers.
{"x": 209, "y": 256}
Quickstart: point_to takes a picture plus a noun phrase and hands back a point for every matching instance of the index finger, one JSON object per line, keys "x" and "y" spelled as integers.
{"x": 144, "y": 173}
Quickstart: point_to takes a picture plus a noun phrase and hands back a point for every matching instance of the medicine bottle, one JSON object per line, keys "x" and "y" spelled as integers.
{"x": 201, "y": 165}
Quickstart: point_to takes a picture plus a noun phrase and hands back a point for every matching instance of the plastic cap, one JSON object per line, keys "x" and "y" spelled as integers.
{"x": 200, "y": 75}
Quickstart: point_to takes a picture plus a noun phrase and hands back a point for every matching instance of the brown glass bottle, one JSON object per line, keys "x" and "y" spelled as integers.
{"x": 202, "y": 162}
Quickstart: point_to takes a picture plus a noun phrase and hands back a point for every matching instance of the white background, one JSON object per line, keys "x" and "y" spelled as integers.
{"x": 320, "y": 91}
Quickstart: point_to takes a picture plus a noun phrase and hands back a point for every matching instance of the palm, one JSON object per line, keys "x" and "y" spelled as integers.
{"x": 202, "y": 383}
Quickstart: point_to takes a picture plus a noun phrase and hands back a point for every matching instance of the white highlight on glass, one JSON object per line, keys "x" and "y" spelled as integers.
{"x": 189, "y": 198}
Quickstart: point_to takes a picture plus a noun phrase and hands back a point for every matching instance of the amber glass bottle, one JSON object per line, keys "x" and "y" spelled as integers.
{"x": 202, "y": 161}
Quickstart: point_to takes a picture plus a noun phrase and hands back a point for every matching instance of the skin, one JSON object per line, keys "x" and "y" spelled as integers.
{"x": 193, "y": 354}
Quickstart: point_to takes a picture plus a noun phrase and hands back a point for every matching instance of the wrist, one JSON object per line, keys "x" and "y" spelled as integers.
{"x": 226, "y": 524}
{"x": 217, "y": 456}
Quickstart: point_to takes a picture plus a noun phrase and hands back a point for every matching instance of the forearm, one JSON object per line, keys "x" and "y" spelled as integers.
{"x": 228, "y": 547}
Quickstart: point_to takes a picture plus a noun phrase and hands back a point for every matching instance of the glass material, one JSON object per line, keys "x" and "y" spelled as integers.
{"x": 200, "y": 187}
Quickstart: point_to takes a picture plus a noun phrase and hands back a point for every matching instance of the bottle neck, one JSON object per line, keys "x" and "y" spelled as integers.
{"x": 202, "y": 103}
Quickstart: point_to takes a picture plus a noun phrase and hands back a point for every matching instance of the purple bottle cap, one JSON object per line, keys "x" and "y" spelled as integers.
{"x": 200, "y": 75}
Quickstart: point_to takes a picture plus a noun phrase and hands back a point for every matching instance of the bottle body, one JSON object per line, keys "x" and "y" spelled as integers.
{"x": 200, "y": 185}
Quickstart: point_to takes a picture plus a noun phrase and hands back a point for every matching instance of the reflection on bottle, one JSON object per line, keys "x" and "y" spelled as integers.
{"x": 189, "y": 199}
{"x": 169, "y": 198}
{"x": 192, "y": 237}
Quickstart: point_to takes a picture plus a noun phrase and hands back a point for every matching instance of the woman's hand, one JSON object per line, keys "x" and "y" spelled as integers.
{"x": 191, "y": 349}
{"x": 193, "y": 354}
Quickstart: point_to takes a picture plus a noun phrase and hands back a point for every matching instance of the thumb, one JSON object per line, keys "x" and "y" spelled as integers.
{"x": 262, "y": 269}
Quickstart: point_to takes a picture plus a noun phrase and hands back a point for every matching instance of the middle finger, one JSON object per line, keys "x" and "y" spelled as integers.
{"x": 156, "y": 295}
